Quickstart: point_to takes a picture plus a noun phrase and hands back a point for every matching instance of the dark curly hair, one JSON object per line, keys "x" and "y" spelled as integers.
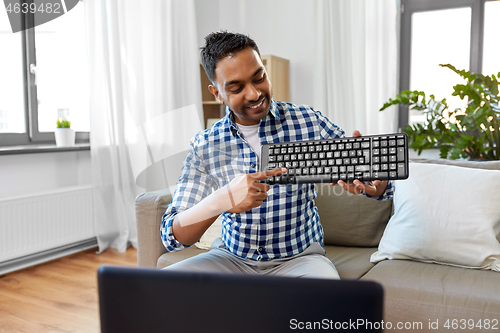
{"x": 221, "y": 44}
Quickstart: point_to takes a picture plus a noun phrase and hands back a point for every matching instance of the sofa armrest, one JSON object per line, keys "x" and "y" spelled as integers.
{"x": 149, "y": 209}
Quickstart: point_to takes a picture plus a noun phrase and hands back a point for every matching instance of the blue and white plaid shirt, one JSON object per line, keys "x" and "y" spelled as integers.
{"x": 288, "y": 220}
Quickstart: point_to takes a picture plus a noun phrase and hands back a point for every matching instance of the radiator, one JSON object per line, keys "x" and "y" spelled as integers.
{"x": 35, "y": 224}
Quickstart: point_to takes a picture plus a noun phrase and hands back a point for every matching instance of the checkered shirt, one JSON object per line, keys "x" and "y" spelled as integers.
{"x": 288, "y": 221}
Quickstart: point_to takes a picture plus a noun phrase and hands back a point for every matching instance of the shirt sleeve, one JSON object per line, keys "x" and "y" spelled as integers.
{"x": 193, "y": 185}
{"x": 387, "y": 195}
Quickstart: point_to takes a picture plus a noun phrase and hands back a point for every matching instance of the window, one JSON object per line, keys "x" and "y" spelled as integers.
{"x": 459, "y": 32}
{"x": 12, "y": 104}
{"x": 44, "y": 77}
{"x": 491, "y": 50}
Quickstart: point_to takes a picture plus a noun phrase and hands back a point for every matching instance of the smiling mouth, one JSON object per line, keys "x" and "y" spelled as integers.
{"x": 258, "y": 105}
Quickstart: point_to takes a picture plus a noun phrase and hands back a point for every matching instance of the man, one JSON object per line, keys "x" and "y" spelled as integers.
{"x": 265, "y": 229}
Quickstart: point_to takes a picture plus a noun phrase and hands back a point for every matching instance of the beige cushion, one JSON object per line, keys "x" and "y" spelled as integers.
{"x": 351, "y": 262}
{"x": 421, "y": 292}
{"x": 213, "y": 232}
{"x": 351, "y": 220}
{"x": 445, "y": 214}
{"x": 170, "y": 258}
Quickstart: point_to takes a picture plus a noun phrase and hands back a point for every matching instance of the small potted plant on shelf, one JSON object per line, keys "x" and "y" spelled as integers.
{"x": 471, "y": 132}
{"x": 65, "y": 135}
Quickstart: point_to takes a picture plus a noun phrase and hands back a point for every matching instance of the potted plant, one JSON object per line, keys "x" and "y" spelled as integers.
{"x": 471, "y": 132}
{"x": 65, "y": 135}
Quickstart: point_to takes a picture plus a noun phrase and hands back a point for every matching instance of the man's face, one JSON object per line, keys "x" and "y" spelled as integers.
{"x": 243, "y": 85}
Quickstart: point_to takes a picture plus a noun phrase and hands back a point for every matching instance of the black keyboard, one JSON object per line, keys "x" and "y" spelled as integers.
{"x": 366, "y": 158}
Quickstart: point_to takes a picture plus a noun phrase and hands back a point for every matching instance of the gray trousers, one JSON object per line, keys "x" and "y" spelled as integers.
{"x": 312, "y": 263}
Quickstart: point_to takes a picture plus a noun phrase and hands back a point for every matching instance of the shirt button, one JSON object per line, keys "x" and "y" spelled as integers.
{"x": 252, "y": 165}
{"x": 260, "y": 249}
{"x": 262, "y": 220}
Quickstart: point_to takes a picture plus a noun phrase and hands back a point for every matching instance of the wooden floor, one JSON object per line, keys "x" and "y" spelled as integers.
{"x": 60, "y": 296}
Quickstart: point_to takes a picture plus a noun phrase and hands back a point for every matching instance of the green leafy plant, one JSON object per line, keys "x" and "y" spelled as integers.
{"x": 63, "y": 123}
{"x": 471, "y": 132}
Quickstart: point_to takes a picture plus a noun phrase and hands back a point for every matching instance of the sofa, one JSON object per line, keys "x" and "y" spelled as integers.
{"x": 437, "y": 262}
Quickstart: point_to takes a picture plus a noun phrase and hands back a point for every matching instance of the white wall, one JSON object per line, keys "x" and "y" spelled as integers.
{"x": 280, "y": 27}
{"x": 28, "y": 174}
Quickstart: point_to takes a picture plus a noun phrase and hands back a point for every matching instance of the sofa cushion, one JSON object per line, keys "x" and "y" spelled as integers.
{"x": 212, "y": 233}
{"x": 351, "y": 262}
{"x": 416, "y": 291}
{"x": 351, "y": 220}
{"x": 445, "y": 214}
{"x": 170, "y": 258}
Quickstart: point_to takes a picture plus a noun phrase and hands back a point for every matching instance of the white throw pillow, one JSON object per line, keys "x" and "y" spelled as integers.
{"x": 445, "y": 214}
{"x": 213, "y": 232}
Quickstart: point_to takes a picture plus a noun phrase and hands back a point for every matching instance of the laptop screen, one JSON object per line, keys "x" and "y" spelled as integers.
{"x": 152, "y": 300}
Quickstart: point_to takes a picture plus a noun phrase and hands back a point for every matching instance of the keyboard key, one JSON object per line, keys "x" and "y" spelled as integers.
{"x": 313, "y": 179}
{"x": 401, "y": 170}
{"x": 401, "y": 154}
{"x": 381, "y": 175}
{"x": 361, "y": 168}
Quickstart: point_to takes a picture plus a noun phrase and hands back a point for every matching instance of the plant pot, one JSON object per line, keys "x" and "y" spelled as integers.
{"x": 65, "y": 137}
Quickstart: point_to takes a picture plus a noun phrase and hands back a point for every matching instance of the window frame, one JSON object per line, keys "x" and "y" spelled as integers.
{"x": 32, "y": 135}
{"x": 408, "y": 8}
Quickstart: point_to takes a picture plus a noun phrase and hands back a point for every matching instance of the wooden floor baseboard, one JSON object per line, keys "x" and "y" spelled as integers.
{"x": 59, "y": 296}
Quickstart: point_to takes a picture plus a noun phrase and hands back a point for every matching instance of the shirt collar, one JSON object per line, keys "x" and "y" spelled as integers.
{"x": 273, "y": 111}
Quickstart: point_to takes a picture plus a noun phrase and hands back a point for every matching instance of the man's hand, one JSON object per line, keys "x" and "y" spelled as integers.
{"x": 374, "y": 188}
{"x": 247, "y": 192}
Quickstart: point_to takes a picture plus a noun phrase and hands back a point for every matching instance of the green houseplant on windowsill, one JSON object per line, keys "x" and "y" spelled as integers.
{"x": 472, "y": 132}
{"x": 64, "y": 134}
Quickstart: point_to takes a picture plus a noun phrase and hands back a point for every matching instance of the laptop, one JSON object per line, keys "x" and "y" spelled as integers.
{"x": 153, "y": 300}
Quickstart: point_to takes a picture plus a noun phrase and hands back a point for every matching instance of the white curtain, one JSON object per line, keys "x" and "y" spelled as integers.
{"x": 356, "y": 72}
{"x": 145, "y": 100}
